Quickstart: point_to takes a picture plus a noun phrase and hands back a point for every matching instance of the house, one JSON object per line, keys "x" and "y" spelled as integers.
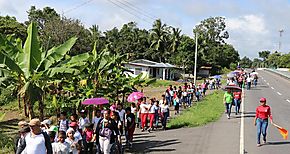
{"x": 204, "y": 71}
{"x": 164, "y": 71}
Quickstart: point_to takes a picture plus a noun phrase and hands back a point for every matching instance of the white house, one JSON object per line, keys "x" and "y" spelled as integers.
{"x": 164, "y": 71}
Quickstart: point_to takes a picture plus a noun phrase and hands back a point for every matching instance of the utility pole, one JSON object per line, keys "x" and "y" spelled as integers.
{"x": 280, "y": 43}
{"x": 195, "y": 58}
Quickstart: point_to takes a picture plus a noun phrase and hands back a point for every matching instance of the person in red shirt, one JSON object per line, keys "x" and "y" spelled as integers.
{"x": 237, "y": 100}
{"x": 263, "y": 113}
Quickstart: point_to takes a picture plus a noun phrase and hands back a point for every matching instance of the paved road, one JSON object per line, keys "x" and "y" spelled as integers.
{"x": 276, "y": 90}
{"x": 223, "y": 136}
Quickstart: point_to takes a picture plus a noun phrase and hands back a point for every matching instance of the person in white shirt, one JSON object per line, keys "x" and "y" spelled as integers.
{"x": 144, "y": 114}
{"x": 165, "y": 114}
{"x": 96, "y": 118}
{"x": 37, "y": 142}
{"x": 249, "y": 81}
{"x": 121, "y": 113}
{"x": 61, "y": 147}
{"x": 151, "y": 114}
{"x": 77, "y": 134}
{"x": 63, "y": 122}
{"x": 83, "y": 120}
{"x": 72, "y": 141}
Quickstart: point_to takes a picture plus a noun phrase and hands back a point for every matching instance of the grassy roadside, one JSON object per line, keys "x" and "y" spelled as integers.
{"x": 208, "y": 110}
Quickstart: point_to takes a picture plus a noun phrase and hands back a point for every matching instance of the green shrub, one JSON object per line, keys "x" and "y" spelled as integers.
{"x": 6, "y": 96}
{"x": 6, "y": 143}
{"x": 208, "y": 110}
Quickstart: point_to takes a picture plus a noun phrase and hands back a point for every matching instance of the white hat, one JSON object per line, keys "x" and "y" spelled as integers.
{"x": 47, "y": 121}
{"x": 70, "y": 130}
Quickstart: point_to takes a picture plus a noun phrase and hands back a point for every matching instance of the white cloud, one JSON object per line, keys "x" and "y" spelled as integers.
{"x": 248, "y": 23}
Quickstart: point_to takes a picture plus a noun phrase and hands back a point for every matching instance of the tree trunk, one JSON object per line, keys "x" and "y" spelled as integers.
{"x": 123, "y": 99}
{"x": 25, "y": 107}
{"x": 19, "y": 101}
{"x": 30, "y": 110}
{"x": 40, "y": 108}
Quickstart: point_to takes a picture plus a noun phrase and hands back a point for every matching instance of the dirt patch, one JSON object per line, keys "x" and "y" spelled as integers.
{"x": 152, "y": 92}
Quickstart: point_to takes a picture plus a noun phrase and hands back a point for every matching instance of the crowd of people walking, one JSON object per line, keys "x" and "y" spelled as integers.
{"x": 102, "y": 133}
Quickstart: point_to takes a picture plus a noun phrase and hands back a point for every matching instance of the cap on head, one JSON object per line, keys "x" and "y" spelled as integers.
{"x": 34, "y": 122}
{"x": 73, "y": 124}
{"x": 262, "y": 99}
{"x": 22, "y": 123}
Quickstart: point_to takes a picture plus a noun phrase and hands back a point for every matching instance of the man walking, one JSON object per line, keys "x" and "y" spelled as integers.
{"x": 37, "y": 142}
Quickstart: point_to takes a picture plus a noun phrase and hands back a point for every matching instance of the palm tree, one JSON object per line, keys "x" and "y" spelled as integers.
{"x": 175, "y": 39}
{"x": 159, "y": 34}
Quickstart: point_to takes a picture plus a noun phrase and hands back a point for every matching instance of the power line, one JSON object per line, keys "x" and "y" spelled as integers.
{"x": 138, "y": 8}
{"x": 132, "y": 7}
{"x": 76, "y": 7}
{"x": 128, "y": 11}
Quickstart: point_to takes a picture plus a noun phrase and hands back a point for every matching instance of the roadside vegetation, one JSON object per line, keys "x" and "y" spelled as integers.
{"x": 207, "y": 110}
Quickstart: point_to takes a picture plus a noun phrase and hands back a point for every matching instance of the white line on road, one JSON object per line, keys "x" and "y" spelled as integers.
{"x": 272, "y": 88}
{"x": 279, "y": 93}
{"x": 268, "y": 83}
{"x": 265, "y": 80}
{"x": 242, "y": 146}
{"x": 288, "y": 100}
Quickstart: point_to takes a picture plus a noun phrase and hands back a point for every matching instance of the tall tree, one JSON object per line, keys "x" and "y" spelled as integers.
{"x": 246, "y": 62}
{"x": 175, "y": 39}
{"x": 264, "y": 55}
{"x": 159, "y": 38}
{"x": 9, "y": 25}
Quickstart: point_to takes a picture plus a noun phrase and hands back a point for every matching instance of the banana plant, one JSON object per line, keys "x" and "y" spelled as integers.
{"x": 34, "y": 68}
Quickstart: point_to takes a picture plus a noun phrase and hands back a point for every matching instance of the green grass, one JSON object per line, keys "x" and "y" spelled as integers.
{"x": 2, "y": 115}
{"x": 6, "y": 143}
{"x": 11, "y": 106}
{"x": 208, "y": 110}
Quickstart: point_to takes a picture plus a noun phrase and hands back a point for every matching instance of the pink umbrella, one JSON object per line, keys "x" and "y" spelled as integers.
{"x": 135, "y": 96}
{"x": 95, "y": 101}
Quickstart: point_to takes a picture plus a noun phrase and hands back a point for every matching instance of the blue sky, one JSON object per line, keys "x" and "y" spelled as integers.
{"x": 252, "y": 24}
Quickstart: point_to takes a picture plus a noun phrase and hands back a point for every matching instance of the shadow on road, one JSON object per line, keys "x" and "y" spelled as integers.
{"x": 146, "y": 144}
{"x": 278, "y": 142}
{"x": 249, "y": 114}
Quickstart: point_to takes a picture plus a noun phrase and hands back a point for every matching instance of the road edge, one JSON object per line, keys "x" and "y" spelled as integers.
{"x": 242, "y": 139}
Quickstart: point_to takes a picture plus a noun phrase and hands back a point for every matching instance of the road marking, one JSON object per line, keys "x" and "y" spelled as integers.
{"x": 288, "y": 100}
{"x": 265, "y": 80}
{"x": 242, "y": 146}
{"x": 279, "y": 93}
{"x": 268, "y": 83}
{"x": 272, "y": 88}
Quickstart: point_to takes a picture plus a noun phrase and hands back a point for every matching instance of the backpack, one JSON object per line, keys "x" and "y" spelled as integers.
{"x": 105, "y": 132}
{"x": 66, "y": 123}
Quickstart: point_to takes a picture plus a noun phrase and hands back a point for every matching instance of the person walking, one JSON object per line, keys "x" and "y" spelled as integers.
{"x": 249, "y": 82}
{"x": 37, "y": 141}
{"x": 263, "y": 113}
{"x": 237, "y": 100}
{"x": 144, "y": 114}
{"x": 151, "y": 114}
{"x": 228, "y": 99}
{"x": 108, "y": 132}
{"x": 129, "y": 126}
{"x": 165, "y": 114}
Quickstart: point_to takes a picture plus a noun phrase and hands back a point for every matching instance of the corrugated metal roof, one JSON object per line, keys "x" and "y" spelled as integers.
{"x": 148, "y": 63}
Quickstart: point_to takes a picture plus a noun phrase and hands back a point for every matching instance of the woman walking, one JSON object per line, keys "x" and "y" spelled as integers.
{"x": 263, "y": 113}
{"x": 165, "y": 114}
